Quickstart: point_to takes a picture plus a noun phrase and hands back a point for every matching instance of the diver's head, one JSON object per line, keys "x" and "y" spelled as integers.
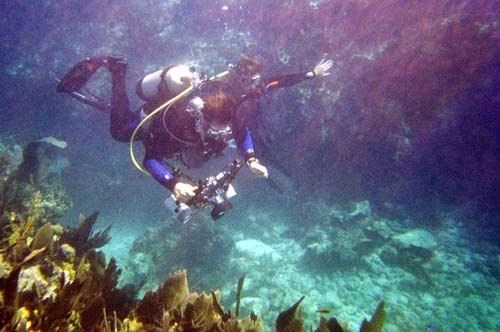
{"x": 179, "y": 78}
{"x": 248, "y": 67}
{"x": 219, "y": 109}
{"x": 214, "y": 109}
{"x": 248, "y": 74}
{"x": 219, "y": 103}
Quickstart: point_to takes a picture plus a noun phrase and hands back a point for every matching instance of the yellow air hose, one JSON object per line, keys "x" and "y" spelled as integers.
{"x": 156, "y": 111}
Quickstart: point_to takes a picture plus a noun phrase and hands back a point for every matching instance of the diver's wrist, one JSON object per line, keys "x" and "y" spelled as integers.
{"x": 252, "y": 160}
{"x": 171, "y": 184}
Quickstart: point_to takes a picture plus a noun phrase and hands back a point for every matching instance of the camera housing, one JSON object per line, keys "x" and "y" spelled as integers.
{"x": 180, "y": 210}
{"x": 214, "y": 191}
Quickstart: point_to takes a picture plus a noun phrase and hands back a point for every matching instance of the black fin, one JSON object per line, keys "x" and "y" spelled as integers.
{"x": 77, "y": 76}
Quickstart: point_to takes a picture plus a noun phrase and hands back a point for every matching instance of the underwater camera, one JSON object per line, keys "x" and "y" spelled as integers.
{"x": 213, "y": 192}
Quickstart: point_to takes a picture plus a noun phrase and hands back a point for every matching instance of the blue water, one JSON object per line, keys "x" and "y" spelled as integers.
{"x": 405, "y": 128}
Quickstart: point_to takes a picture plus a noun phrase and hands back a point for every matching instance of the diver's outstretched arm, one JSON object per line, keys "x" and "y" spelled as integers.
{"x": 320, "y": 70}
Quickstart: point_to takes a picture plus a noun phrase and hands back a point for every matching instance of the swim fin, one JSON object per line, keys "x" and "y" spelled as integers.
{"x": 77, "y": 76}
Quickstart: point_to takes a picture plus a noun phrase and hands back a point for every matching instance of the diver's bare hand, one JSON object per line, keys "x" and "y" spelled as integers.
{"x": 257, "y": 168}
{"x": 183, "y": 192}
{"x": 323, "y": 67}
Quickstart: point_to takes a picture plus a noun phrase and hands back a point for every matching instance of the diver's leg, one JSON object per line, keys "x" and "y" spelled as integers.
{"x": 122, "y": 121}
{"x": 92, "y": 101}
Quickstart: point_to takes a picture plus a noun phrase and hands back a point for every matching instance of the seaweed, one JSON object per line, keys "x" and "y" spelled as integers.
{"x": 22, "y": 225}
{"x": 148, "y": 309}
{"x": 330, "y": 325}
{"x": 52, "y": 286}
{"x": 86, "y": 287}
{"x": 291, "y": 320}
{"x": 82, "y": 237}
{"x": 188, "y": 311}
{"x": 238, "y": 295}
{"x": 377, "y": 322}
{"x": 43, "y": 237}
{"x": 200, "y": 314}
{"x": 251, "y": 325}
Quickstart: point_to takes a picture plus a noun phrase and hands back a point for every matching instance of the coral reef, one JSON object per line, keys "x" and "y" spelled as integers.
{"x": 54, "y": 285}
{"x": 358, "y": 235}
{"x": 407, "y": 118}
{"x": 341, "y": 246}
{"x": 55, "y": 288}
{"x": 52, "y": 278}
{"x": 197, "y": 246}
{"x": 35, "y": 182}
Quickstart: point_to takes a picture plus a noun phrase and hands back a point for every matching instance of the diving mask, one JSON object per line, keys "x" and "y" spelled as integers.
{"x": 207, "y": 130}
{"x": 219, "y": 132}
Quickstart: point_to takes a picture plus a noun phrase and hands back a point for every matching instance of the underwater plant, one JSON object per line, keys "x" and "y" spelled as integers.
{"x": 57, "y": 288}
{"x": 31, "y": 189}
{"x": 47, "y": 284}
{"x": 53, "y": 278}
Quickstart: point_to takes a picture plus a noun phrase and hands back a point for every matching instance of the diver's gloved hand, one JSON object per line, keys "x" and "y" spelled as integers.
{"x": 323, "y": 67}
{"x": 183, "y": 192}
{"x": 257, "y": 168}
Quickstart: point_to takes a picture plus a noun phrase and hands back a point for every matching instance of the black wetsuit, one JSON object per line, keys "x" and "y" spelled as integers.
{"x": 181, "y": 136}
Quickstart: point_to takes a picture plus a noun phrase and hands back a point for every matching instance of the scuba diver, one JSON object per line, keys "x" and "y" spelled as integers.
{"x": 188, "y": 116}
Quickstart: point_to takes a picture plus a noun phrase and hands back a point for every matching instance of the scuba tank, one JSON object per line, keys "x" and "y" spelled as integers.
{"x": 165, "y": 83}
